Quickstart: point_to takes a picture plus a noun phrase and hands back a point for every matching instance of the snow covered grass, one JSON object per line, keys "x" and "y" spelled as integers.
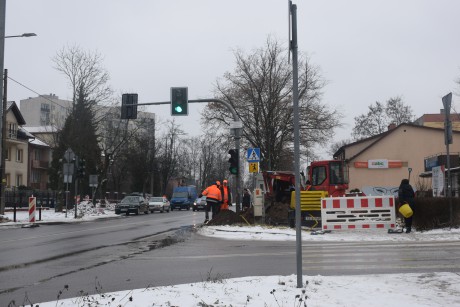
{"x": 424, "y": 289}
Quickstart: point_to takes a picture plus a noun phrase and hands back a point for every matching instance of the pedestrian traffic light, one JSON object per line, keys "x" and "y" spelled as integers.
{"x": 179, "y": 101}
{"x": 129, "y": 106}
{"x": 234, "y": 165}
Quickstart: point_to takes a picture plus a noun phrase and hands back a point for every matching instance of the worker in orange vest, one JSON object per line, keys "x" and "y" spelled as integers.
{"x": 213, "y": 200}
{"x": 226, "y": 196}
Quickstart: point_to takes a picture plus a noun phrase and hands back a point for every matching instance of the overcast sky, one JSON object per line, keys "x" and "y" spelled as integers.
{"x": 367, "y": 50}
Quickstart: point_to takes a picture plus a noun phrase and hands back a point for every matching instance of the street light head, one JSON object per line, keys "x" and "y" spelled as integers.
{"x": 22, "y": 35}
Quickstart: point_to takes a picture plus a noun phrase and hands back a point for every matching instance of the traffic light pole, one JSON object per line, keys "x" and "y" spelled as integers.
{"x": 237, "y": 137}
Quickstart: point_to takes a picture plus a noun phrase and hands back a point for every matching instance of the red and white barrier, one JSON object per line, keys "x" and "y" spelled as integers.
{"x": 369, "y": 212}
{"x": 32, "y": 207}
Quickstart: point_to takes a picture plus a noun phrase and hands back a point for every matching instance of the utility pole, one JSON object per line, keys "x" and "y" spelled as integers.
{"x": 447, "y": 100}
{"x": 2, "y": 60}
{"x": 3, "y": 144}
{"x": 295, "y": 97}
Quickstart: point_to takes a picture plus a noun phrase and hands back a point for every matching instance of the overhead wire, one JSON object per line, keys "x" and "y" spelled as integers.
{"x": 42, "y": 96}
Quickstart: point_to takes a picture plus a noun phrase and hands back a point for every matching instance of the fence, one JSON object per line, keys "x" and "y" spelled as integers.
{"x": 20, "y": 198}
{"x": 340, "y": 213}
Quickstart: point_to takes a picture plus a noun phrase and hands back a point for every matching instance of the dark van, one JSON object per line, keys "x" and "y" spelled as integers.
{"x": 183, "y": 197}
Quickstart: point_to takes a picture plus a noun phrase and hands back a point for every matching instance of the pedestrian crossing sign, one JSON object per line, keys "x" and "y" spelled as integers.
{"x": 253, "y": 154}
{"x": 254, "y": 167}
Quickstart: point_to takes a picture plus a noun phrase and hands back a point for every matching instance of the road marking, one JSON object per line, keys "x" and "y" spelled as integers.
{"x": 205, "y": 257}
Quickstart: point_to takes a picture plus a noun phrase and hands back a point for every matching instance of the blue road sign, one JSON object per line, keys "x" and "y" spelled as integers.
{"x": 253, "y": 154}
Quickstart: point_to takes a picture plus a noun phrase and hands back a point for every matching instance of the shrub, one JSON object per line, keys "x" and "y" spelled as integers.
{"x": 434, "y": 212}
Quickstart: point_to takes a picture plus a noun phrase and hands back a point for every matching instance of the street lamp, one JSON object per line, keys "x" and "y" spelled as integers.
{"x": 22, "y": 35}
{"x": 3, "y": 99}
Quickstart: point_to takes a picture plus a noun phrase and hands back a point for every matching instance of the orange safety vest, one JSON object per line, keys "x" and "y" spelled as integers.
{"x": 212, "y": 192}
{"x": 224, "y": 205}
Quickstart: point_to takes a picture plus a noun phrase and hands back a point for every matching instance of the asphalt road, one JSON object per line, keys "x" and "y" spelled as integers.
{"x": 163, "y": 249}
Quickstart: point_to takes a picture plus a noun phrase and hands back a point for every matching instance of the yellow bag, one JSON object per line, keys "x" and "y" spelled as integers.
{"x": 406, "y": 210}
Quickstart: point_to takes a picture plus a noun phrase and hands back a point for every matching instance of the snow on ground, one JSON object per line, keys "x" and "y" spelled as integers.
{"x": 85, "y": 212}
{"x": 414, "y": 289}
{"x": 289, "y": 234}
{"x": 433, "y": 289}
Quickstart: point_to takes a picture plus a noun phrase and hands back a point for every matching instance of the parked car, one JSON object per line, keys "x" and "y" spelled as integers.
{"x": 132, "y": 204}
{"x": 160, "y": 204}
{"x": 199, "y": 204}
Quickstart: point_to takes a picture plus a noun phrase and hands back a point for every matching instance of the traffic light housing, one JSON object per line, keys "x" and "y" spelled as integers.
{"x": 179, "y": 101}
{"x": 129, "y": 106}
{"x": 234, "y": 164}
{"x": 81, "y": 168}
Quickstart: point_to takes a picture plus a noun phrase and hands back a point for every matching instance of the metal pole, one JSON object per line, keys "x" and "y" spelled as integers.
{"x": 449, "y": 186}
{"x": 76, "y": 199}
{"x": 447, "y": 101}
{"x": 295, "y": 98}
{"x": 237, "y": 176}
{"x": 67, "y": 199}
{"x": 3, "y": 142}
{"x": 2, "y": 58}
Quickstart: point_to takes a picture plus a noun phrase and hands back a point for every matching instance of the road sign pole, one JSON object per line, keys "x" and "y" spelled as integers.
{"x": 295, "y": 98}
{"x": 446, "y": 101}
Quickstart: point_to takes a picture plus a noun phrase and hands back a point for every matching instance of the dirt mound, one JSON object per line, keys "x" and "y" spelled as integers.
{"x": 226, "y": 217}
{"x": 276, "y": 214}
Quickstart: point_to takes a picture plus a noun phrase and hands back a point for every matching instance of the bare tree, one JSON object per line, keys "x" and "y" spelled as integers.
{"x": 397, "y": 112}
{"x": 337, "y": 145}
{"x": 260, "y": 90}
{"x": 84, "y": 70}
{"x": 372, "y": 123}
{"x": 380, "y": 116}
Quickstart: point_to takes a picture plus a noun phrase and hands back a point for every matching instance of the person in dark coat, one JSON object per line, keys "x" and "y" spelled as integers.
{"x": 406, "y": 194}
{"x": 246, "y": 200}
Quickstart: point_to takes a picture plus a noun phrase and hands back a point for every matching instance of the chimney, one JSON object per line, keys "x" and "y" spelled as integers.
{"x": 391, "y": 126}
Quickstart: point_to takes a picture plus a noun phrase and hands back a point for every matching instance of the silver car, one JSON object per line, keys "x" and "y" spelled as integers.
{"x": 200, "y": 203}
{"x": 160, "y": 204}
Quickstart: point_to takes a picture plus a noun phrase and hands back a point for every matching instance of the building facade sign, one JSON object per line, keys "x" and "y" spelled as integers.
{"x": 437, "y": 182}
{"x": 378, "y": 163}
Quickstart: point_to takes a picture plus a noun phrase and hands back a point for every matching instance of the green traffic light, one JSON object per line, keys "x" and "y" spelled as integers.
{"x": 179, "y": 101}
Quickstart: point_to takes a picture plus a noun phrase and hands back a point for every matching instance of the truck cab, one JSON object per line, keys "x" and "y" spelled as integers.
{"x": 330, "y": 176}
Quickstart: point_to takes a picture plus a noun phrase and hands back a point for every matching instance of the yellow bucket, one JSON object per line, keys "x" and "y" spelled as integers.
{"x": 406, "y": 210}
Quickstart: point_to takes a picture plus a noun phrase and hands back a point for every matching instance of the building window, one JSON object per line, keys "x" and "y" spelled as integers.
{"x": 8, "y": 180}
{"x": 38, "y": 154}
{"x": 12, "y": 130}
{"x": 18, "y": 180}
{"x": 35, "y": 176}
{"x": 8, "y": 154}
{"x": 19, "y": 155}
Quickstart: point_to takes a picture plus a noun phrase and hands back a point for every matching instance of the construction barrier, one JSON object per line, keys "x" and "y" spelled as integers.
{"x": 310, "y": 208}
{"x": 369, "y": 212}
{"x": 32, "y": 206}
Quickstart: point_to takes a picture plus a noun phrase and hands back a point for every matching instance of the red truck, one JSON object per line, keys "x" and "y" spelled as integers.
{"x": 324, "y": 178}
